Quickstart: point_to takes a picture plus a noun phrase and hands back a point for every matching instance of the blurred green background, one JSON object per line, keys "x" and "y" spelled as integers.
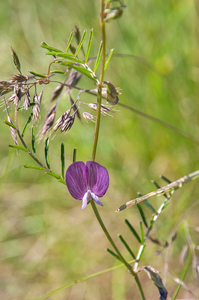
{"x": 46, "y": 239}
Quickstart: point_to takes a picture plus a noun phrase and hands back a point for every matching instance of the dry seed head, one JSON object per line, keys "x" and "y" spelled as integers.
{"x": 57, "y": 91}
{"x": 68, "y": 123}
{"x": 27, "y": 99}
{"x": 105, "y": 109}
{"x": 18, "y": 78}
{"x": 49, "y": 119}
{"x": 12, "y": 130}
{"x": 73, "y": 78}
{"x": 88, "y": 116}
{"x": 17, "y": 92}
{"x": 36, "y": 107}
{"x": 59, "y": 123}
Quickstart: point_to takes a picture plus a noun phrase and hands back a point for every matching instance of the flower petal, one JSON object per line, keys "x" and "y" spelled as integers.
{"x": 96, "y": 199}
{"x": 76, "y": 180}
{"x": 97, "y": 178}
{"x": 85, "y": 200}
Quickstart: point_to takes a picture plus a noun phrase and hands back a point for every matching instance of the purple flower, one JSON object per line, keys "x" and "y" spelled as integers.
{"x": 87, "y": 182}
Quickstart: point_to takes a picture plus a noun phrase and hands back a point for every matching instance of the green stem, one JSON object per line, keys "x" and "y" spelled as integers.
{"x": 96, "y": 135}
{"x": 117, "y": 250}
{"x": 99, "y": 93}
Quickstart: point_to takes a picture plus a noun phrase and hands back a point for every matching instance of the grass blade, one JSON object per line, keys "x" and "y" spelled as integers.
{"x": 18, "y": 147}
{"x": 62, "y": 160}
{"x": 81, "y": 42}
{"x": 133, "y": 231}
{"x": 26, "y": 125}
{"x": 33, "y": 140}
{"x": 69, "y": 41}
{"x": 108, "y": 60}
{"x": 47, "y": 153}
{"x": 127, "y": 246}
{"x": 89, "y": 45}
{"x": 142, "y": 214}
{"x": 98, "y": 57}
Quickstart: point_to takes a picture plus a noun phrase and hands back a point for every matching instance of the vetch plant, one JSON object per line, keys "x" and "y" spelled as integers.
{"x": 87, "y": 182}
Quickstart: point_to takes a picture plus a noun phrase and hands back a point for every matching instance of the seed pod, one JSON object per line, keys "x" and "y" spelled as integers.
{"x": 112, "y": 93}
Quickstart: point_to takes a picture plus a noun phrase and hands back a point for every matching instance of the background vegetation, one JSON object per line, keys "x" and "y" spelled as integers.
{"x": 46, "y": 239}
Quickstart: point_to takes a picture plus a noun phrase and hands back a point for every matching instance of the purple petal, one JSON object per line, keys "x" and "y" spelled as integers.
{"x": 76, "y": 180}
{"x": 97, "y": 178}
{"x": 96, "y": 199}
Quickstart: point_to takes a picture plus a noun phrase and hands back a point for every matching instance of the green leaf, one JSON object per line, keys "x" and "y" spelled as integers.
{"x": 26, "y": 125}
{"x": 81, "y": 42}
{"x": 62, "y": 160}
{"x": 108, "y": 60}
{"x": 127, "y": 246}
{"x": 89, "y": 45}
{"x": 33, "y": 167}
{"x": 98, "y": 57}
{"x": 62, "y": 181}
{"x": 68, "y": 56}
{"x": 142, "y": 214}
{"x": 9, "y": 124}
{"x": 69, "y": 41}
{"x": 149, "y": 206}
{"x": 83, "y": 71}
{"x": 37, "y": 74}
{"x": 113, "y": 254}
{"x": 18, "y": 147}
{"x": 44, "y": 45}
{"x": 133, "y": 231}
{"x": 142, "y": 233}
{"x": 74, "y": 154}
{"x": 47, "y": 153}
{"x": 55, "y": 175}
{"x": 33, "y": 140}
{"x": 57, "y": 72}
{"x": 165, "y": 179}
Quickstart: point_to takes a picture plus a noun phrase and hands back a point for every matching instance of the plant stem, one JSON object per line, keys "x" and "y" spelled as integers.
{"x": 96, "y": 135}
{"x": 116, "y": 249}
{"x": 99, "y": 93}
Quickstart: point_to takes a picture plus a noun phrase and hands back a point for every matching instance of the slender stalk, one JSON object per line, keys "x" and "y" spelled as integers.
{"x": 96, "y": 135}
{"x": 99, "y": 93}
{"x": 116, "y": 250}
